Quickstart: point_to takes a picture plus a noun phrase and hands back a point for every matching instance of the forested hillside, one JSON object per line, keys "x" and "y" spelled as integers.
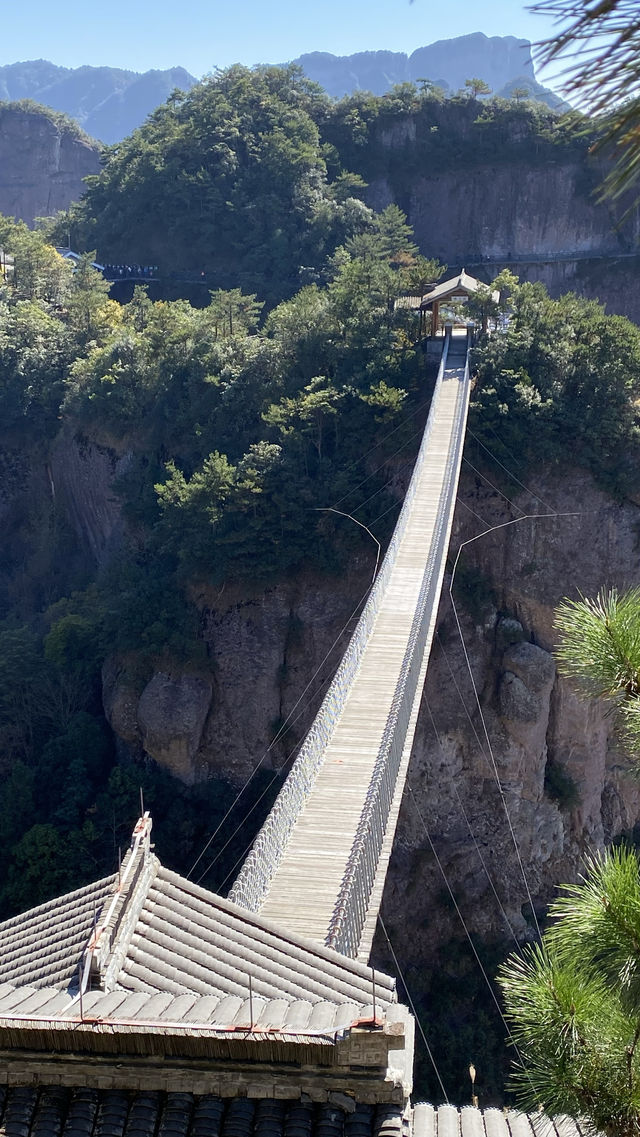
{"x": 255, "y": 177}
{"x": 233, "y": 441}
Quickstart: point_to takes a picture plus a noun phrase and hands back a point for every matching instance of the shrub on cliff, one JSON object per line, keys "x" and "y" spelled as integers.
{"x": 560, "y": 383}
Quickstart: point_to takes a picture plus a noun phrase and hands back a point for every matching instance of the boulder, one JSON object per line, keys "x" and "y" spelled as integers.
{"x": 171, "y": 716}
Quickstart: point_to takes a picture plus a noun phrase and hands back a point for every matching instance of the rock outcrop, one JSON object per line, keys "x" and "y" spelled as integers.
{"x": 271, "y": 656}
{"x": 82, "y": 475}
{"x": 488, "y": 781}
{"x": 171, "y": 714}
{"x": 42, "y": 163}
{"x": 542, "y": 220}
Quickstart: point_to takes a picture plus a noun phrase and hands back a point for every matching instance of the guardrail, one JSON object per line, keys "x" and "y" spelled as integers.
{"x": 254, "y": 879}
{"x": 352, "y": 904}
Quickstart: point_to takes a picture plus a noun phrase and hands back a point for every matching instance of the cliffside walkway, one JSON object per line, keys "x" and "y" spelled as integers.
{"x": 318, "y": 865}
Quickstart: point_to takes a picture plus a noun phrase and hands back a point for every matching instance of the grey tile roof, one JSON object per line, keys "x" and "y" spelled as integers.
{"x": 43, "y": 947}
{"x": 456, "y": 284}
{"x": 303, "y": 1021}
{"x": 164, "y": 952}
{"x": 52, "y": 1111}
{"x": 55, "y": 1111}
{"x": 190, "y": 941}
{"x": 449, "y": 1121}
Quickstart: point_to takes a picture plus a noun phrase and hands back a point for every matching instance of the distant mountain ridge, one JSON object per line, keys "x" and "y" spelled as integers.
{"x": 109, "y": 102}
{"x": 504, "y": 62}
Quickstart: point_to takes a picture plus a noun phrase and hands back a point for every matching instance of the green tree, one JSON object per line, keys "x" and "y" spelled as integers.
{"x": 477, "y": 87}
{"x": 91, "y": 313}
{"x": 599, "y": 648}
{"x": 227, "y": 184}
{"x": 601, "y": 44}
{"x": 573, "y": 1002}
{"x": 40, "y": 273}
{"x": 562, "y": 374}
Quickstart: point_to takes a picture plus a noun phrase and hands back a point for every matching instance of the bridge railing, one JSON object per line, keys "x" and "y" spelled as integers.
{"x": 254, "y": 879}
{"x": 352, "y": 905}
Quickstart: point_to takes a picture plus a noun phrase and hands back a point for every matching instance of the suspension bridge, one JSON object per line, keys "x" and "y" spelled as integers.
{"x": 318, "y": 865}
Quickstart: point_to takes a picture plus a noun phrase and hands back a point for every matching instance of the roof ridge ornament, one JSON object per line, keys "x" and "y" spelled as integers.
{"x": 110, "y": 937}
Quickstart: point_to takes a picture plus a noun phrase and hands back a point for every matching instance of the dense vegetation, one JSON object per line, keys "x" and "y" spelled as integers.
{"x": 235, "y": 441}
{"x": 254, "y": 177}
{"x": 562, "y": 380}
{"x": 229, "y": 180}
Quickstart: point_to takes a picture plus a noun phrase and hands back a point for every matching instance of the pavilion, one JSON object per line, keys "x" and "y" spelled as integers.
{"x": 460, "y": 287}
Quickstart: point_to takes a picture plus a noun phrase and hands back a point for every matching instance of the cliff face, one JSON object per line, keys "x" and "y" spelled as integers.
{"x": 552, "y": 768}
{"x": 545, "y": 784}
{"x": 42, "y": 165}
{"x": 540, "y": 218}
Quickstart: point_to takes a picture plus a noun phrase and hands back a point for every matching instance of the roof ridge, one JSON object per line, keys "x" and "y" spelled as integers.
{"x": 107, "y": 947}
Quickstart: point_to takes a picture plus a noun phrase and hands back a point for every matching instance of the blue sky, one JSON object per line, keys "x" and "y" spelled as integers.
{"x": 203, "y": 34}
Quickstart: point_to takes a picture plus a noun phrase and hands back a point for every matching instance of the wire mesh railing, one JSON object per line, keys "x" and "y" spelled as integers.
{"x": 254, "y": 880}
{"x": 352, "y": 904}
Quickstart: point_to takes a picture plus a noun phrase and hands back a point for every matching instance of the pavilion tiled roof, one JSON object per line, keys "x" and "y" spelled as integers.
{"x": 456, "y": 286}
{"x": 189, "y": 940}
{"x": 145, "y": 1006}
{"x": 152, "y": 947}
{"x": 44, "y": 946}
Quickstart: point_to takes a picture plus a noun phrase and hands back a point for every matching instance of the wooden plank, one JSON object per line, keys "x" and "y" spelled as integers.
{"x": 307, "y": 881}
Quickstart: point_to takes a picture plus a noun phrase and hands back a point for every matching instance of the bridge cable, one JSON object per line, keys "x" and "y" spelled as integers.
{"x": 495, "y": 488}
{"x": 434, "y": 853}
{"x": 239, "y": 861}
{"x": 470, "y": 510}
{"x": 507, "y": 471}
{"x": 462, "y": 698}
{"x": 495, "y": 434}
{"x": 341, "y": 513}
{"x": 244, "y": 820}
{"x": 494, "y": 765}
{"x": 376, "y": 446}
{"x": 413, "y": 1009}
{"x": 289, "y": 721}
{"x": 268, "y": 787}
{"x": 473, "y": 837}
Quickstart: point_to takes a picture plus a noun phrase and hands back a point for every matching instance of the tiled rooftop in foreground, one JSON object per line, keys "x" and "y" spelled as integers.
{"x": 51, "y": 1111}
{"x": 145, "y": 1006}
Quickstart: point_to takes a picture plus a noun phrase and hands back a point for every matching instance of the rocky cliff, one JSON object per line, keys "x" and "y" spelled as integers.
{"x": 507, "y": 792}
{"x": 551, "y": 766}
{"x": 539, "y": 214}
{"x": 43, "y": 162}
{"x": 509, "y": 789}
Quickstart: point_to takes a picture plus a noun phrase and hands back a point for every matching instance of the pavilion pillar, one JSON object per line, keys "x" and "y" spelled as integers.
{"x": 435, "y": 316}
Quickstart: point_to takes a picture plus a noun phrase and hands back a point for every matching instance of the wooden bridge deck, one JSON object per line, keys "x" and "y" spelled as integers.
{"x": 307, "y": 882}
